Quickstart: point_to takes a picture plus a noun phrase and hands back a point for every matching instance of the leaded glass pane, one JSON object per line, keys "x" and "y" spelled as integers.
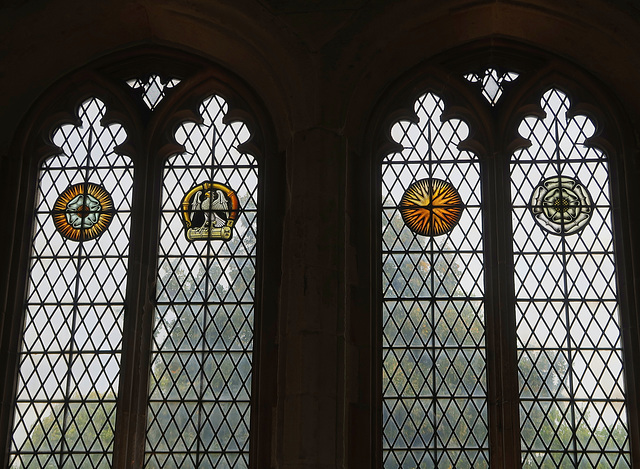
{"x": 72, "y": 337}
{"x": 572, "y": 394}
{"x": 200, "y": 389}
{"x": 434, "y": 357}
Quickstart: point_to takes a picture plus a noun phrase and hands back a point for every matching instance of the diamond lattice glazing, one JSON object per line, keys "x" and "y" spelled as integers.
{"x": 71, "y": 345}
{"x": 199, "y": 397}
{"x": 572, "y": 394}
{"x": 434, "y": 364}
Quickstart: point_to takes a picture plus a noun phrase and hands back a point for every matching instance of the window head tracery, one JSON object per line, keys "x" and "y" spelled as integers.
{"x": 492, "y": 83}
{"x": 152, "y": 88}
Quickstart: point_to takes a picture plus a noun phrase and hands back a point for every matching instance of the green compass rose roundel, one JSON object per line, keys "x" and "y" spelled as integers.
{"x": 561, "y": 205}
{"x": 83, "y": 211}
{"x": 431, "y": 207}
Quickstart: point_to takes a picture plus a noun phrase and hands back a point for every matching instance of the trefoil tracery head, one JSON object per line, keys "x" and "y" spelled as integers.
{"x": 209, "y": 211}
{"x": 492, "y": 82}
{"x": 152, "y": 88}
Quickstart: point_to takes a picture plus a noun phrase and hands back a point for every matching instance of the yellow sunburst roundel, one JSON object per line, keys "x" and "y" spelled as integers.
{"x": 83, "y": 211}
{"x": 431, "y": 207}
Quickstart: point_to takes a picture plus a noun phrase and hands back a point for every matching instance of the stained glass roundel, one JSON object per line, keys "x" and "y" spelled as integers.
{"x": 209, "y": 211}
{"x": 561, "y": 205}
{"x": 431, "y": 207}
{"x": 83, "y": 211}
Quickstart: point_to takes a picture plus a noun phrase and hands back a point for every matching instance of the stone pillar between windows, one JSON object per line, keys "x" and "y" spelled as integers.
{"x": 310, "y": 393}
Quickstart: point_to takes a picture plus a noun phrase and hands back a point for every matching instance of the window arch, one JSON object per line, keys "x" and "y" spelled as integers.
{"x": 198, "y": 147}
{"x": 434, "y": 380}
{"x": 550, "y": 324}
{"x": 72, "y": 338}
{"x": 572, "y": 391}
{"x": 199, "y": 400}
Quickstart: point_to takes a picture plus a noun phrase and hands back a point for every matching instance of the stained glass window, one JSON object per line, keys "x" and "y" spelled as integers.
{"x": 434, "y": 360}
{"x": 70, "y": 356}
{"x": 572, "y": 393}
{"x": 201, "y": 366}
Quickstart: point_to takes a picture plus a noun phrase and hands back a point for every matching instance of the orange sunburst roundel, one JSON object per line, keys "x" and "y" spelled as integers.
{"x": 431, "y": 207}
{"x": 83, "y": 211}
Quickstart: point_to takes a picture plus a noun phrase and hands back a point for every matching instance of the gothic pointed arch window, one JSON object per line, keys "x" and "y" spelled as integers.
{"x": 199, "y": 398}
{"x": 492, "y": 293}
{"x": 91, "y": 319}
{"x": 570, "y": 360}
{"x": 69, "y": 367}
{"x": 434, "y": 373}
